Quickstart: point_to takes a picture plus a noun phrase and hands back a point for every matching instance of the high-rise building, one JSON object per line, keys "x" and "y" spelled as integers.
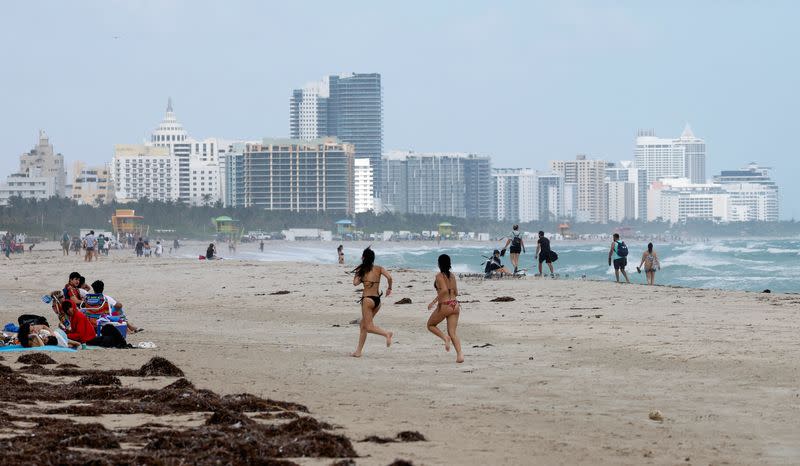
{"x": 171, "y": 134}
{"x": 551, "y": 206}
{"x": 754, "y": 193}
{"x": 43, "y": 161}
{"x": 589, "y": 176}
{"x": 516, "y": 194}
{"x": 436, "y": 183}
{"x": 348, "y": 106}
{"x": 363, "y": 186}
{"x": 27, "y": 186}
{"x": 143, "y": 171}
{"x": 625, "y": 207}
{"x": 293, "y": 175}
{"x": 92, "y": 184}
{"x": 683, "y": 157}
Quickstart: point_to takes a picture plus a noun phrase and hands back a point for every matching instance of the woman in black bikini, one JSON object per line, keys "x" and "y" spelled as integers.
{"x": 369, "y": 275}
{"x": 447, "y": 308}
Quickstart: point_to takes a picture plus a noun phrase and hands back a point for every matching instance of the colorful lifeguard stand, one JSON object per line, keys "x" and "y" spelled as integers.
{"x": 345, "y": 227}
{"x": 227, "y": 227}
{"x": 445, "y": 229}
{"x": 125, "y": 221}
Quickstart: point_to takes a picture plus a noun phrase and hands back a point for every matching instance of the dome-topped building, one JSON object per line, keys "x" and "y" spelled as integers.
{"x": 169, "y": 131}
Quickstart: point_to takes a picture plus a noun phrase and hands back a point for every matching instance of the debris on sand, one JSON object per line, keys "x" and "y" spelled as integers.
{"x": 401, "y": 463}
{"x": 376, "y": 439}
{"x": 229, "y": 435}
{"x": 280, "y": 292}
{"x": 404, "y": 301}
{"x": 36, "y": 358}
{"x": 502, "y": 299}
{"x": 485, "y": 345}
{"x": 98, "y": 379}
{"x": 655, "y": 415}
{"x": 576, "y": 315}
{"x": 411, "y": 436}
{"x": 159, "y": 366}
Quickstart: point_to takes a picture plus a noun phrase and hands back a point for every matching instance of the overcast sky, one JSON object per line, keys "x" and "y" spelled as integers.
{"x": 524, "y": 82}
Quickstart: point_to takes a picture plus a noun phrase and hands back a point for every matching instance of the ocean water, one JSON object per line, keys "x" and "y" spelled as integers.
{"x": 730, "y": 264}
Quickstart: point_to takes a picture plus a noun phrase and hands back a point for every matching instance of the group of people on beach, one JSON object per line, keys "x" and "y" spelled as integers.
{"x": 83, "y": 313}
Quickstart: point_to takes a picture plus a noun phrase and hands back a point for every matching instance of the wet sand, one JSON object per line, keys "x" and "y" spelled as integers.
{"x": 569, "y": 375}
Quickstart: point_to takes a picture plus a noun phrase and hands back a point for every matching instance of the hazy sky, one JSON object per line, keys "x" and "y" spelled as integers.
{"x": 524, "y": 82}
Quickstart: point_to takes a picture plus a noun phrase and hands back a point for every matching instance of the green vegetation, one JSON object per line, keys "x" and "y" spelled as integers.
{"x": 50, "y": 218}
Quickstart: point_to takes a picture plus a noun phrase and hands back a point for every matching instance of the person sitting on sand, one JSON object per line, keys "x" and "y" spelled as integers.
{"x": 71, "y": 289}
{"x": 447, "y": 307}
{"x": 369, "y": 275}
{"x": 98, "y": 304}
{"x": 211, "y": 252}
{"x": 494, "y": 266}
{"x": 80, "y": 328}
{"x": 651, "y": 264}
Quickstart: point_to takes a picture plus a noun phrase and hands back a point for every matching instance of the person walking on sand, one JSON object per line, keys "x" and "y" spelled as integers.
{"x": 369, "y": 275}
{"x": 261, "y": 246}
{"x": 65, "y": 242}
{"x": 340, "y": 252}
{"x": 651, "y": 264}
{"x": 544, "y": 254}
{"x": 517, "y": 247}
{"x": 90, "y": 243}
{"x": 447, "y": 307}
{"x": 619, "y": 251}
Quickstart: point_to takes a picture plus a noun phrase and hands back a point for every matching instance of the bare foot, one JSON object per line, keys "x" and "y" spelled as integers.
{"x": 460, "y": 358}
{"x": 356, "y": 354}
{"x": 389, "y": 339}
{"x": 447, "y": 344}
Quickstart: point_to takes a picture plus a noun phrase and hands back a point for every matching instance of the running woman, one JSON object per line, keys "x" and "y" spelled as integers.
{"x": 369, "y": 275}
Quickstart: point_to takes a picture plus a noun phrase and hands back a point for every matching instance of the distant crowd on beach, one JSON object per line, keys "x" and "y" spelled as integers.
{"x": 93, "y": 246}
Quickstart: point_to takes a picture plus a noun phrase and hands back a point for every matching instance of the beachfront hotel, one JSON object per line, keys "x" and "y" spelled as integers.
{"x": 141, "y": 171}
{"x": 454, "y": 184}
{"x": 589, "y": 176}
{"x": 682, "y": 157}
{"x": 677, "y": 200}
{"x": 291, "y": 175}
{"x": 627, "y": 191}
{"x": 348, "y": 106}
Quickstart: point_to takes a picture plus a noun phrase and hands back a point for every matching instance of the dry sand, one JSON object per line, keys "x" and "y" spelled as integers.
{"x": 572, "y": 372}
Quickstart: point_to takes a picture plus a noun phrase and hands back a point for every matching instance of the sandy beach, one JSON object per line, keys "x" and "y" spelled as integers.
{"x": 565, "y": 374}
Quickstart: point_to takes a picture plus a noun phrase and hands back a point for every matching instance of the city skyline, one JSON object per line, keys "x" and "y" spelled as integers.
{"x": 568, "y": 77}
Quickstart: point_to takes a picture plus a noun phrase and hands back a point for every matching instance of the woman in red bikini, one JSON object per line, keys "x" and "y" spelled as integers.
{"x": 447, "y": 308}
{"x": 369, "y": 275}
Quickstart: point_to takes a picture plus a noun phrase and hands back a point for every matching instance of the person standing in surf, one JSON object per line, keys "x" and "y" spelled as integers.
{"x": 651, "y": 264}
{"x": 517, "y": 247}
{"x": 340, "y": 253}
{"x": 619, "y": 251}
{"x": 544, "y": 254}
{"x": 369, "y": 275}
{"x": 447, "y": 307}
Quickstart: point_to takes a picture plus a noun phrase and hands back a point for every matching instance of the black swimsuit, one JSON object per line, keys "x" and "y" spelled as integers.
{"x": 375, "y": 299}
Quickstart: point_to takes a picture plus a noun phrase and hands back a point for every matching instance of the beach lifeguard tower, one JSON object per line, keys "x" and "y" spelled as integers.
{"x": 345, "y": 228}
{"x": 125, "y": 221}
{"x": 445, "y": 230}
{"x": 227, "y": 228}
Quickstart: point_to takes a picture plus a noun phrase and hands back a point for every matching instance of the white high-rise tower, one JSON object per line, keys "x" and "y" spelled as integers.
{"x": 684, "y": 157}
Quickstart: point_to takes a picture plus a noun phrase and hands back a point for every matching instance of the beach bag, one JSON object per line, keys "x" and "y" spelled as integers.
{"x": 109, "y": 337}
{"x": 622, "y": 249}
{"x": 553, "y": 256}
{"x": 32, "y": 319}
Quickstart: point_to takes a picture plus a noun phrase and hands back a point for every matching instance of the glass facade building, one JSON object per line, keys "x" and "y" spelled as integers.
{"x": 348, "y": 106}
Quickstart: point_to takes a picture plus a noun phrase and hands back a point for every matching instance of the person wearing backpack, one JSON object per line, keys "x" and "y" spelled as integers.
{"x": 517, "y": 247}
{"x": 619, "y": 251}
